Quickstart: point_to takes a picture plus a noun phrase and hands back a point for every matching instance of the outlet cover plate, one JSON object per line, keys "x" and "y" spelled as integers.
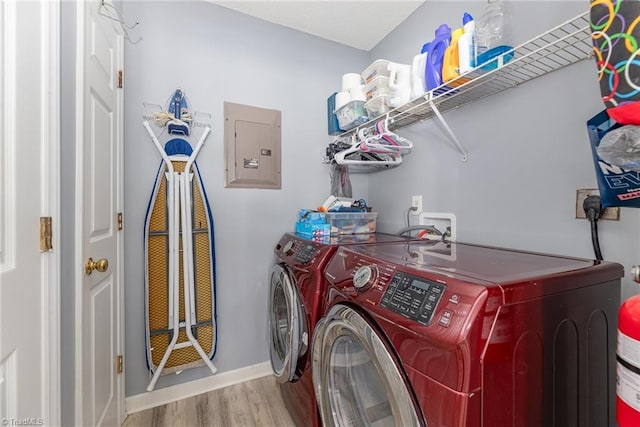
{"x": 416, "y": 202}
{"x": 612, "y": 214}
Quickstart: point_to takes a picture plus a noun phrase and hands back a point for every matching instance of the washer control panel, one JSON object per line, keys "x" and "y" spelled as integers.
{"x": 305, "y": 253}
{"x": 413, "y": 297}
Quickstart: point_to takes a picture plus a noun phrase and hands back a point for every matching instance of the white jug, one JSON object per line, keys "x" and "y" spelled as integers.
{"x": 399, "y": 83}
{"x": 417, "y": 75}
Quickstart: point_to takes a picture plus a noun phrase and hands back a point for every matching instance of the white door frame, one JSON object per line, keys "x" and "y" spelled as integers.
{"x": 47, "y": 112}
{"x": 51, "y": 201}
{"x": 79, "y": 256}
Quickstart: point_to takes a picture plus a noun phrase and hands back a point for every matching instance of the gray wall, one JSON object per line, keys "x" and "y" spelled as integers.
{"x": 528, "y": 151}
{"x": 218, "y": 55}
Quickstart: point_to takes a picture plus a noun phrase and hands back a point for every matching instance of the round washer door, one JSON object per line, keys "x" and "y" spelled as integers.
{"x": 357, "y": 380}
{"x": 288, "y": 336}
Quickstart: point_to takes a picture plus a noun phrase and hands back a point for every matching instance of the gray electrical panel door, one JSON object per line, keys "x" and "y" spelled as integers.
{"x": 252, "y": 147}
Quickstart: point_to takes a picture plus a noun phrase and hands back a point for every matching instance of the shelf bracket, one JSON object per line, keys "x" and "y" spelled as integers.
{"x": 452, "y": 135}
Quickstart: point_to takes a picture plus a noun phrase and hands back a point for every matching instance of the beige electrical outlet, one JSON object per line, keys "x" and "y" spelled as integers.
{"x": 612, "y": 214}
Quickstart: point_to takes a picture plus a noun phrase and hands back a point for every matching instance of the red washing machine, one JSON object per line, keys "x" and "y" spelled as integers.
{"x": 431, "y": 334}
{"x": 296, "y": 302}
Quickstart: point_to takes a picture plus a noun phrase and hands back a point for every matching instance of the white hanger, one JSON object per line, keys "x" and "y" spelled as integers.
{"x": 364, "y": 158}
{"x": 383, "y": 140}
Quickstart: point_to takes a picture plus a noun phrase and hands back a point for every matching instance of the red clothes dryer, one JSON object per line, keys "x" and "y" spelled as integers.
{"x": 433, "y": 334}
{"x": 296, "y": 302}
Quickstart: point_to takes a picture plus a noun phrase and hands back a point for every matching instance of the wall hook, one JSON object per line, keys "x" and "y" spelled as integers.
{"x": 108, "y": 10}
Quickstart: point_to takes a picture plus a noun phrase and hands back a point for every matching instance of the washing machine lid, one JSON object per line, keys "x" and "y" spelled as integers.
{"x": 288, "y": 336}
{"x": 357, "y": 378}
{"x": 490, "y": 265}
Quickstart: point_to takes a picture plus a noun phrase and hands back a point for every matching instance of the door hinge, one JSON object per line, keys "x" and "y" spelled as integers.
{"x": 120, "y": 223}
{"x": 120, "y": 79}
{"x": 119, "y": 364}
{"x": 46, "y": 233}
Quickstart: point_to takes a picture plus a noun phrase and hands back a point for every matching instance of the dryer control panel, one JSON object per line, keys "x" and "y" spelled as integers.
{"x": 413, "y": 297}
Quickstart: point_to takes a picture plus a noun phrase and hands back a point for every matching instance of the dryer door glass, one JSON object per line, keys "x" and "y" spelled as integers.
{"x": 286, "y": 325}
{"x": 356, "y": 378}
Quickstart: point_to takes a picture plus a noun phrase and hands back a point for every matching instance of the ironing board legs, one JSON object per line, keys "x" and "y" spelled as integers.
{"x": 173, "y": 196}
{"x": 180, "y": 208}
{"x": 187, "y": 263}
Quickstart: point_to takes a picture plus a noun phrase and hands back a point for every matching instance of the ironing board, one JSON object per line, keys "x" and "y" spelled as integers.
{"x": 180, "y": 302}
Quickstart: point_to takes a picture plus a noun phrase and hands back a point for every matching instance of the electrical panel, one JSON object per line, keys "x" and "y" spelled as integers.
{"x": 252, "y": 139}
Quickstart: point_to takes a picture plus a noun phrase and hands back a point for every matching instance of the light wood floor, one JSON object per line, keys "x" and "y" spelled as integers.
{"x": 254, "y": 403}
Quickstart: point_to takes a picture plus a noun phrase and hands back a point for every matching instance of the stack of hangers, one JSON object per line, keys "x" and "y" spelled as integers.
{"x": 374, "y": 146}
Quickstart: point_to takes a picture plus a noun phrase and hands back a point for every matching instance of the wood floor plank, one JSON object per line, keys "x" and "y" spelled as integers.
{"x": 255, "y": 403}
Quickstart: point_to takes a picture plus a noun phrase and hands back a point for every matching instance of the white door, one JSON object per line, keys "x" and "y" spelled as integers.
{"x": 29, "y": 186}
{"x": 99, "y": 391}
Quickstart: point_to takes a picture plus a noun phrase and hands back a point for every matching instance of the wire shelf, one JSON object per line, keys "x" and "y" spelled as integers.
{"x": 566, "y": 44}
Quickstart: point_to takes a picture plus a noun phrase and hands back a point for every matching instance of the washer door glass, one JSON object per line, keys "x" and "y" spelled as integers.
{"x": 287, "y": 334}
{"x": 357, "y": 380}
{"x": 356, "y": 391}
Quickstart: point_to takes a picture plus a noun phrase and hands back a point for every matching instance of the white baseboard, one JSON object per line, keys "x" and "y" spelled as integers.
{"x": 162, "y": 396}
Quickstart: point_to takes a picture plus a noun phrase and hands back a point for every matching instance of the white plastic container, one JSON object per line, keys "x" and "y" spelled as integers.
{"x": 351, "y": 115}
{"x": 377, "y": 68}
{"x": 466, "y": 45}
{"x": 377, "y": 87}
{"x": 376, "y": 106}
{"x": 417, "y": 75}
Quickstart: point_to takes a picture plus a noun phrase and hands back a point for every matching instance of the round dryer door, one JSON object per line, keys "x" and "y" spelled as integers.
{"x": 287, "y": 331}
{"x": 357, "y": 380}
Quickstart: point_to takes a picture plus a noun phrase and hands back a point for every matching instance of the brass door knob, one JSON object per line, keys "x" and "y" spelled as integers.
{"x": 101, "y": 265}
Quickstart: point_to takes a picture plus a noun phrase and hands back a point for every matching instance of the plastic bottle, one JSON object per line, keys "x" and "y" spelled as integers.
{"x": 435, "y": 56}
{"x": 418, "y": 72}
{"x": 493, "y": 35}
{"x": 450, "y": 62}
{"x": 466, "y": 44}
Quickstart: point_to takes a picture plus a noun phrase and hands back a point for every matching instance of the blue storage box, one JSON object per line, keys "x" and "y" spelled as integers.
{"x": 313, "y": 229}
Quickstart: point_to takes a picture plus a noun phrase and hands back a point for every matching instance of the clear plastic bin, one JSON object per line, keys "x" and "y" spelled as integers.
{"x": 351, "y": 115}
{"x": 377, "y": 87}
{"x": 378, "y": 68}
{"x": 352, "y": 222}
{"x": 376, "y": 106}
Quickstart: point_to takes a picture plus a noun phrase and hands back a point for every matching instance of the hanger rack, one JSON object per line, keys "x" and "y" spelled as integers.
{"x": 561, "y": 46}
{"x": 109, "y": 11}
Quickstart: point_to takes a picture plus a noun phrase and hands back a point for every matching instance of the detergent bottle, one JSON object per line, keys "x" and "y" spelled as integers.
{"x": 494, "y": 46}
{"x": 418, "y": 72}
{"x": 399, "y": 83}
{"x": 466, "y": 44}
{"x": 450, "y": 62}
{"x": 435, "y": 56}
